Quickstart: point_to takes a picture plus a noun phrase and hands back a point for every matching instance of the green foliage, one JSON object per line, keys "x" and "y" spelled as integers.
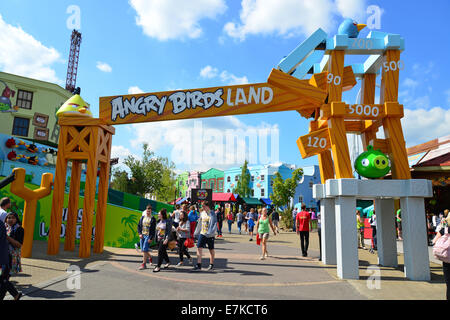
{"x": 242, "y": 185}
{"x": 152, "y": 175}
{"x": 283, "y": 192}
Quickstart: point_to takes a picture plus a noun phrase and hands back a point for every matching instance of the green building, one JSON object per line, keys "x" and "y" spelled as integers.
{"x": 182, "y": 185}
{"x": 213, "y": 179}
{"x": 28, "y": 107}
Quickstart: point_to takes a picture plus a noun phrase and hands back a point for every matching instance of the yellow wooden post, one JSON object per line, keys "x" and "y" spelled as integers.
{"x": 89, "y": 193}
{"x": 392, "y": 126}
{"x": 54, "y": 232}
{"x": 72, "y": 210}
{"x": 339, "y": 144}
{"x": 368, "y": 97}
{"x": 30, "y": 197}
{"x": 326, "y": 166}
{"x": 105, "y": 157}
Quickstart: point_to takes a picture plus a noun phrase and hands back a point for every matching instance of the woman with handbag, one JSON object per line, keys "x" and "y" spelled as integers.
{"x": 183, "y": 233}
{"x": 262, "y": 227}
{"x": 163, "y": 232}
{"x": 443, "y": 244}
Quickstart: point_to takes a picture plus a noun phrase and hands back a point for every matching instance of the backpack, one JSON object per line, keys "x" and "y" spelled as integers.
{"x": 441, "y": 248}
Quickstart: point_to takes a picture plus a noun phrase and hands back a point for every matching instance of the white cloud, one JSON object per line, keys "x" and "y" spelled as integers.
{"x": 410, "y": 83}
{"x": 120, "y": 152}
{"x": 175, "y": 19}
{"x": 354, "y": 9}
{"x": 422, "y": 125}
{"x": 103, "y": 66}
{"x": 231, "y": 79}
{"x": 226, "y": 77}
{"x": 135, "y": 90}
{"x": 23, "y": 55}
{"x": 291, "y": 17}
{"x": 209, "y": 72}
{"x": 199, "y": 144}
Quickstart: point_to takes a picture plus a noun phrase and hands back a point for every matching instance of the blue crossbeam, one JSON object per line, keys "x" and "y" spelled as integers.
{"x": 301, "y": 53}
{"x": 376, "y": 43}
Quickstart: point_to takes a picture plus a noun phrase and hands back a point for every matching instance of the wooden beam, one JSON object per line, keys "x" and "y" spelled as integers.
{"x": 301, "y": 88}
{"x": 339, "y": 143}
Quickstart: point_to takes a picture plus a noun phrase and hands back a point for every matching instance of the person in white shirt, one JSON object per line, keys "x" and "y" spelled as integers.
{"x": 5, "y": 204}
{"x": 176, "y": 216}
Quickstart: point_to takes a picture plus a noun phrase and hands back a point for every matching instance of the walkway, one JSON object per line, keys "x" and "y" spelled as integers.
{"x": 238, "y": 274}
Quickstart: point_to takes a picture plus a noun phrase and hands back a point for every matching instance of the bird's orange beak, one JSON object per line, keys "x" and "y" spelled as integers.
{"x": 361, "y": 26}
{"x": 82, "y": 110}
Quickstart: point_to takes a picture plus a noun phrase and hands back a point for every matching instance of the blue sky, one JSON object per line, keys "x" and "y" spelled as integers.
{"x": 151, "y": 46}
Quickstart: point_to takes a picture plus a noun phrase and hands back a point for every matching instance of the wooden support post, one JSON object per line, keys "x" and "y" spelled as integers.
{"x": 326, "y": 166}
{"x": 89, "y": 194}
{"x": 339, "y": 144}
{"x": 368, "y": 97}
{"x": 102, "y": 191}
{"x": 54, "y": 232}
{"x": 392, "y": 126}
{"x": 31, "y": 198}
{"x": 72, "y": 210}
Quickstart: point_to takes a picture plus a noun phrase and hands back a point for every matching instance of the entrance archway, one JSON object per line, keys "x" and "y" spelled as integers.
{"x": 319, "y": 97}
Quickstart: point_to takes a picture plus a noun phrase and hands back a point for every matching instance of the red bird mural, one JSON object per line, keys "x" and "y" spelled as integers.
{"x": 12, "y": 156}
{"x": 11, "y": 143}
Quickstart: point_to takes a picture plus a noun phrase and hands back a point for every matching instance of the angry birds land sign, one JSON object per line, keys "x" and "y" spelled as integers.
{"x": 372, "y": 164}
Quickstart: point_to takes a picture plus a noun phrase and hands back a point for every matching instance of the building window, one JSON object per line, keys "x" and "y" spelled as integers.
{"x": 300, "y": 199}
{"x": 24, "y": 99}
{"x": 253, "y": 178}
{"x": 262, "y": 192}
{"x": 236, "y": 178}
{"x": 211, "y": 184}
{"x": 311, "y": 183}
{"x": 253, "y": 193}
{"x": 20, "y": 126}
{"x": 271, "y": 183}
{"x": 228, "y": 179}
{"x": 262, "y": 177}
{"x": 228, "y": 191}
{"x": 204, "y": 185}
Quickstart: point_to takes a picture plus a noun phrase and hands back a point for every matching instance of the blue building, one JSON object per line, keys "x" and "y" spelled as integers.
{"x": 261, "y": 178}
{"x": 303, "y": 192}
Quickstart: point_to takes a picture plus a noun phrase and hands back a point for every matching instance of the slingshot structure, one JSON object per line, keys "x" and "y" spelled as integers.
{"x": 289, "y": 87}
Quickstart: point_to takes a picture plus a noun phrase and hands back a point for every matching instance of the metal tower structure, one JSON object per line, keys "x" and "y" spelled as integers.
{"x": 72, "y": 68}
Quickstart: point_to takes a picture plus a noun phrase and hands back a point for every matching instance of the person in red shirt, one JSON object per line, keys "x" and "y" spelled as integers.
{"x": 302, "y": 224}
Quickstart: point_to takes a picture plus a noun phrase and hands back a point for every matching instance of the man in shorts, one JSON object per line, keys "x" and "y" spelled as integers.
{"x": 206, "y": 231}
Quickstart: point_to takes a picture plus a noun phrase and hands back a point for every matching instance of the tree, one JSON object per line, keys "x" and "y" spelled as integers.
{"x": 152, "y": 175}
{"x": 283, "y": 192}
{"x": 120, "y": 180}
{"x": 242, "y": 185}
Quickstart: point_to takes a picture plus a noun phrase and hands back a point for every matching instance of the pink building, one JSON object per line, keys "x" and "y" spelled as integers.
{"x": 194, "y": 181}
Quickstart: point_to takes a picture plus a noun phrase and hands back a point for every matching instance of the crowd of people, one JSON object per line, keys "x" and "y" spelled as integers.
{"x": 200, "y": 223}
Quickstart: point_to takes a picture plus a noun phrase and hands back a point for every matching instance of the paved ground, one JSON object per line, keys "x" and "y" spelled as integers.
{"x": 239, "y": 274}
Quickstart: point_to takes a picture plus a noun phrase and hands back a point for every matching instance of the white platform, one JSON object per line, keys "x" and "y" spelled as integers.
{"x": 339, "y": 232}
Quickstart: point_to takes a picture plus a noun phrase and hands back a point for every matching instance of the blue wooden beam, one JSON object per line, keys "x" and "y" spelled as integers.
{"x": 299, "y": 54}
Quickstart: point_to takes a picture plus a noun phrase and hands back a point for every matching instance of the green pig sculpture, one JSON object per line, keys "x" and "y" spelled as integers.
{"x": 372, "y": 164}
